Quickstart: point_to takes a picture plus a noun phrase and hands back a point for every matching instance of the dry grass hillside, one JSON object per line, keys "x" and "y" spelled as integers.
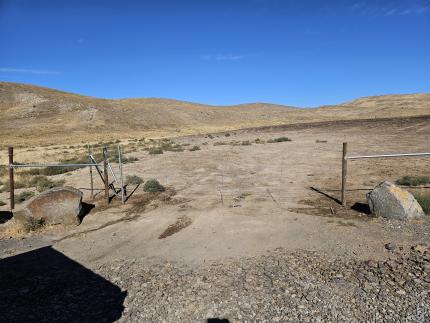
{"x": 36, "y": 115}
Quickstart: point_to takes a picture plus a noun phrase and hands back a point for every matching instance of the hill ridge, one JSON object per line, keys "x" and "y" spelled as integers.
{"x": 30, "y": 113}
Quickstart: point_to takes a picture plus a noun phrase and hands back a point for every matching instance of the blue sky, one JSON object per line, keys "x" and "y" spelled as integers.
{"x": 301, "y": 53}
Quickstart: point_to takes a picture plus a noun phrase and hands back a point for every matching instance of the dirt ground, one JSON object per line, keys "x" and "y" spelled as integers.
{"x": 241, "y": 200}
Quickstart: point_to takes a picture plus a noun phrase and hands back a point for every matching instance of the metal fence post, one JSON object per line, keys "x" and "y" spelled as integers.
{"x": 91, "y": 172}
{"x": 11, "y": 180}
{"x": 106, "y": 177}
{"x": 120, "y": 172}
{"x": 344, "y": 172}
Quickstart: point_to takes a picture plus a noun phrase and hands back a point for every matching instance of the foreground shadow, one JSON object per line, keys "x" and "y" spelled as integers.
{"x": 45, "y": 285}
{"x": 5, "y": 216}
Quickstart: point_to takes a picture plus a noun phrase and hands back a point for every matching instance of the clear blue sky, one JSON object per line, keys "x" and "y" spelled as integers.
{"x": 302, "y": 53}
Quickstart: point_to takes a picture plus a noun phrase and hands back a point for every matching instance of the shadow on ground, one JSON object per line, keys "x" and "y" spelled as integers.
{"x": 45, "y": 285}
{"x": 5, "y": 216}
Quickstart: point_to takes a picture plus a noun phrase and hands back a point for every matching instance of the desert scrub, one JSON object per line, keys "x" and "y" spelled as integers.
{"x": 24, "y": 196}
{"x": 126, "y": 160}
{"x": 195, "y": 148}
{"x": 246, "y": 143}
{"x": 259, "y": 141}
{"x": 2, "y": 203}
{"x": 33, "y": 224}
{"x": 424, "y": 201}
{"x": 152, "y": 186}
{"x": 133, "y": 180}
{"x": 220, "y": 143}
{"x": 42, "y": 183}
{"x": 155, "y": 151}
{"x": 413, "y": 180}
{"x": 280, "y": 139}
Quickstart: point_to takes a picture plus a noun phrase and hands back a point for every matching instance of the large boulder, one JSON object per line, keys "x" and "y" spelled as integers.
{"x": 60, "y": 205}
{"x": 392, "y": 202}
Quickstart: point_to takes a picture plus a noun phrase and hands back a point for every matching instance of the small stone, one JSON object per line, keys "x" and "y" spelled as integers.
{"x": 390, "y": 246}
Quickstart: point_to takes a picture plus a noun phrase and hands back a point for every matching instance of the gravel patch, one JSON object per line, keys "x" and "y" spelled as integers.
{"x": 301, "y": 286}
{"x": 280, "y": 286}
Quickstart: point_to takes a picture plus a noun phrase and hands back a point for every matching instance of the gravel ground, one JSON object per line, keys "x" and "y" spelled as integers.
{"x": 44, "y": 285}
{"x": 280, "y": 286}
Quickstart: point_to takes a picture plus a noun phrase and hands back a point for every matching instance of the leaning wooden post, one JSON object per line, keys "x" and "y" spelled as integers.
{"x": 344, "y": 172}
{"x": 120, "y": 174}
{"x": 106, "y": 177}
{"x": 91, "y": 172}
{"x": 11, "y": 180}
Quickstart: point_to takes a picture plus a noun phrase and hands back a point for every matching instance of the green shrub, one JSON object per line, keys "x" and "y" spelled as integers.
{"x": 23, "y": 196}
{"x": 133, "y": 179}
{"x": 424, "y": 201}
{"x": 126, "y": 160}
{"x": 33, "y": 224}
{"x": 280, "y": 139}
{"x": 155, "y": 151}
{"x": 153, "y": 185}
{"x": 3, "y": 170}
{"x": 220, "y": 143}
{"x": 42, "y": 183}
{"x": 413, "y": 180}
{"x": 195, "y": 148}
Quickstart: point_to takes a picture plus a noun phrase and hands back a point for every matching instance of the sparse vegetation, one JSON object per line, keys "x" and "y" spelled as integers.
{"x": 155, "y": 151}
{"x": 42, "y": 183}
{"x": 153, "y": 186}
{"x": 33, "y": 224}
{"x": 246, "y": 143}
{"x": 413, "y": 180}
{"x": 2, "y": 203}
{"x": 424, "y": 201}
{"x": 320, "y": 141}
{"x": 195, "y": 148}
{"x": 134, "y": 180}
{"x": 23, "y": 196}
{"x": 220, "y": 143}
{"x": 280, "y": 139}
{"x": 126, "y": 160}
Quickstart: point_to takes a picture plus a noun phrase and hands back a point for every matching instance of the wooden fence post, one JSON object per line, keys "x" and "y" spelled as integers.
{"x": 344, "y": 172}
{"x": 11, "y": 180}
{"x": 106, "y": 177}
{"x": 91, "y": 172}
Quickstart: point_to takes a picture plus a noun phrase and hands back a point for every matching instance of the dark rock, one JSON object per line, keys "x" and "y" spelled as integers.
{"x": 390, "y": 246}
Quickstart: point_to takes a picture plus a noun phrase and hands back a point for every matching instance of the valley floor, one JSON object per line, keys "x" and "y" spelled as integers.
{"x": 255, "y": 233}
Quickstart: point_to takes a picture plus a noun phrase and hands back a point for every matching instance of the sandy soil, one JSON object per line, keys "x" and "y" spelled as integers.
{"x": 242, "y": 200}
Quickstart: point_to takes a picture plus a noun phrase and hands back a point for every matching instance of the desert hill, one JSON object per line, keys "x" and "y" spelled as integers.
{"x": 41, "y": 115}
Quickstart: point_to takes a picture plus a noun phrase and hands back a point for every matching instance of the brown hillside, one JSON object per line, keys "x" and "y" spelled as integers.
{"x": 32, "y": 114}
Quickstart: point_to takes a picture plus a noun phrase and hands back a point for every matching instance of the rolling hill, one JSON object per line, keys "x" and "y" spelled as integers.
{"x": 38, "y": 115}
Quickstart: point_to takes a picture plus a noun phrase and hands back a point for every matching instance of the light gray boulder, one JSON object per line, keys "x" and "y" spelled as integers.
{"x": 392, "y": 202}
{"x": 60, "y": 205}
